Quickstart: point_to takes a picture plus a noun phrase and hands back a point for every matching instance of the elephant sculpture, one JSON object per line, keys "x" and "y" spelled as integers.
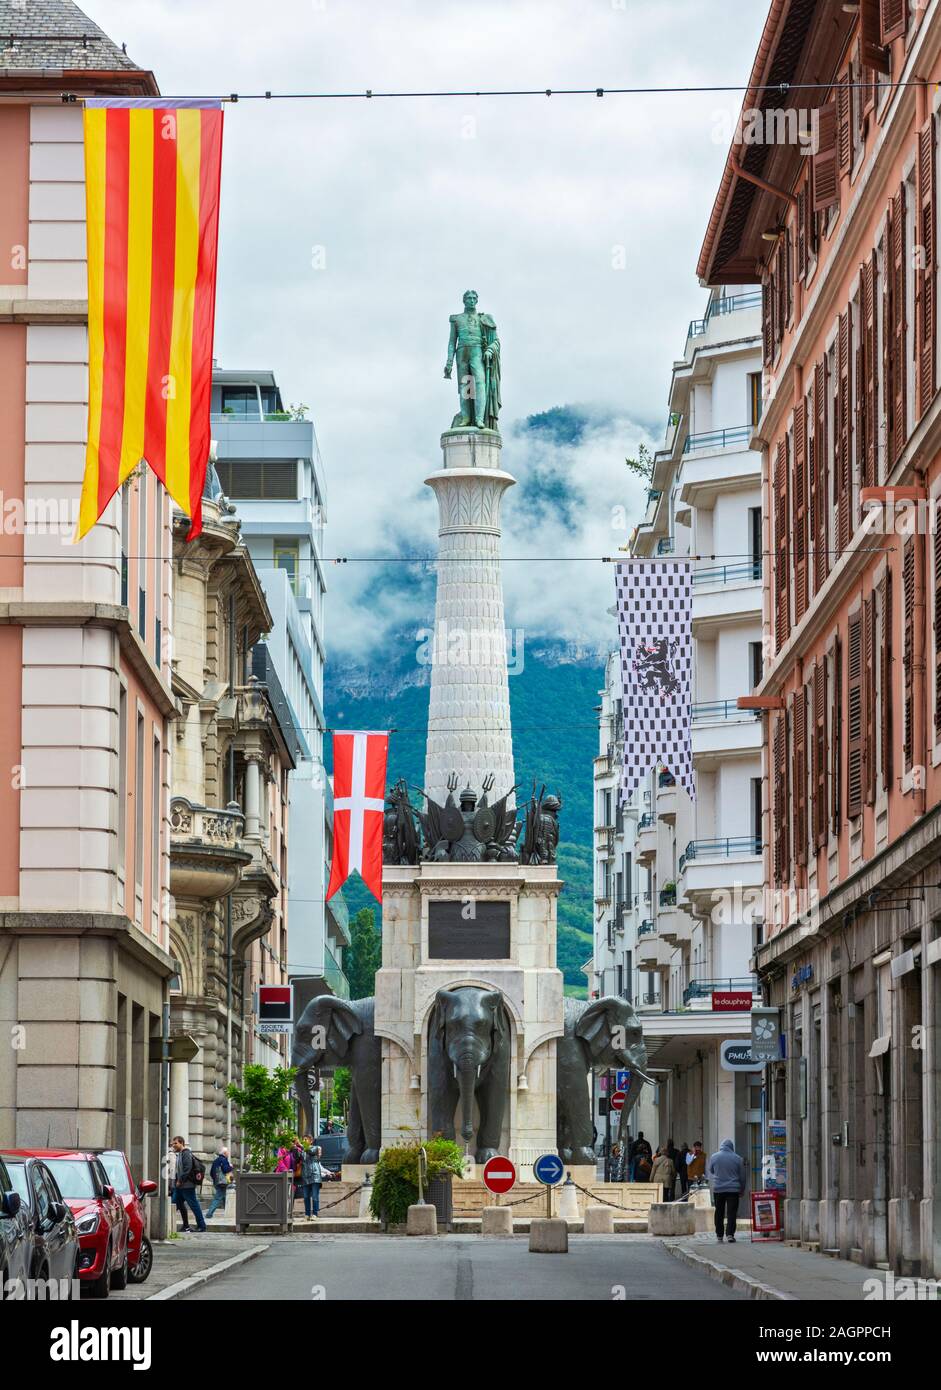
{"x": 335, "y": 1032}
{"x": 468, "y": 1059}
{"x": 603, "y": 1033}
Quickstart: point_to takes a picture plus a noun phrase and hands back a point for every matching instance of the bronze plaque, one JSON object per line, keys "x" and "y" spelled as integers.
{"x": 453, "y": 934}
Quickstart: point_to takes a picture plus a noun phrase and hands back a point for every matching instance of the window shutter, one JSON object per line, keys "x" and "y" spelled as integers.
{"x": 925, "y": 278}
{"x": 869, "y": 411}
{"x": 820, "y": 753}
{"x": 767, "y": 327}
{"x": 936, "y": 541}
{"x": 874, "y": 53}
{"x": 899, "y": 423}
{"x": 799, "y": 794}
{"x": 843, "y": 478}
{"x": 844, "y": 133}
{"x": 821, "y": 482}
{"x": 779, "y": 802}
{"x": 855, "y": 731}
{"x": 892, "y": 19}
{"x": 908, "y": 651}
{"x": 800, "y": 226}
{"x": 869, "y": 688}
{"x": 825, "y": 172}
{"x": 782, "y": 617}
{"x": 886, "y": 679}
{"x": 836, "y": 738}
{"x": 801, "y": 596}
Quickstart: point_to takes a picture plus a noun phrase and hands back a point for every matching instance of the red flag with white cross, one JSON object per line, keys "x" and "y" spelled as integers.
{"x": 359, "y": 786}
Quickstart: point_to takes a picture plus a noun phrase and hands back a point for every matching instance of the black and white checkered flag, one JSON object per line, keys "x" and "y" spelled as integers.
{"x": 655, "y": 601}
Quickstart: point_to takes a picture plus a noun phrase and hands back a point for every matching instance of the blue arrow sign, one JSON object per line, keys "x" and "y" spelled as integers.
{"x": 548, "y": 1169}
{"x": 623, "y": 1080}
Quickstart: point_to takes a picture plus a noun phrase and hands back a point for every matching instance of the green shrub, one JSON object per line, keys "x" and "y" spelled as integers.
{"x": 395, "y": 1180}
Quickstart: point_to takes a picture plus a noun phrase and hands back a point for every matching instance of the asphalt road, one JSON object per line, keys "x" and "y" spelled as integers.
{"x": 457, "y": 1268}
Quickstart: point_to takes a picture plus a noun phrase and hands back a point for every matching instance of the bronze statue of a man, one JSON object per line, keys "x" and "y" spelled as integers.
{"x": 475, "y": 344}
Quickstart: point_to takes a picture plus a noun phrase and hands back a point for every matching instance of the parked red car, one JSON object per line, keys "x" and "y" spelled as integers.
{"x": 118, "y": 1168}
{"x": 101, "y": 1222}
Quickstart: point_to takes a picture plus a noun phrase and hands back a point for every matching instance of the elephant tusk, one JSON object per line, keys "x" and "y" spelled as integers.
{"x": 636, "y": 1071}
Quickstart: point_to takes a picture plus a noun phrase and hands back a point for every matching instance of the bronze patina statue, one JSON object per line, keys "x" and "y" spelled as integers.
{"x": 475, "y": 344}
{"x": 469, "y": 832}
{"x": 541, "y": 836}
{"x": 401, "y": 843}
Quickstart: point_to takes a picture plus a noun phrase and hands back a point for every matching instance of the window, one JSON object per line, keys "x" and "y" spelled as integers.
{"x": 125, "y": 537}
{"x": 142, "y": 552}
{"x": 261, "y": 479}
{"x": 122, "y": 777}
{"x": 287, "y": 557}
{"x": 158, "y": 567}
{"x": 754, "y": 397}
{"x": 156, "y": 828}
{"x": 755, "y": 664}
{"x": 241, "y": 401}
{"x": 139, "y": 806}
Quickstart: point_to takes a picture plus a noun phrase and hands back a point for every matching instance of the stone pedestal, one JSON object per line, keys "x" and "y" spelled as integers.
{"x": 469, "y": 708}
{"x": 548, "y": 1235}
{"x": 599, "y": 1221}
{"x": 527, "y": 977}
{"x": 421, "y": 1220}
{"x": 672, "y": 1219}
{"x": 496, "y": 1221}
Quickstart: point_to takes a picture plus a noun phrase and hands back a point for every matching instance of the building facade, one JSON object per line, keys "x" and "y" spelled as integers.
{"x": 234, "y": 750}
{"x": 844, "y": 243}
{"x": 679, "y": 881}
{"x": 85, "y": 647}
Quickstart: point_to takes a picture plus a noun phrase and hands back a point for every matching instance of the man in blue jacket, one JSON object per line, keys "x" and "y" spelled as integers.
{"x": 219, "y": 1176}
{"x": 726, "y": 1172}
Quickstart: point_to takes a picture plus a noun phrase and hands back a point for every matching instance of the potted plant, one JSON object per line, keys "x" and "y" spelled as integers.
{"x": 265, "y": 1114}
{"x": 395, "y": 1180}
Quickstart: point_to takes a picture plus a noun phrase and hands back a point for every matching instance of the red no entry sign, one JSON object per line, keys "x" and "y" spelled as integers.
{"x": 618, "y": 1099}
{"x": 499, "y": 1174}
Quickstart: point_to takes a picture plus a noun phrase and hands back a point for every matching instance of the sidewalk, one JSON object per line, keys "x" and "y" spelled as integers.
{"x": 775, "y": 1270}
{"x": 182, "y": 1258}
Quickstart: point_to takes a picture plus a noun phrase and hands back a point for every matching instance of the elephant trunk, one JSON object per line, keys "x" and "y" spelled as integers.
{"x": 467, "y": 1080}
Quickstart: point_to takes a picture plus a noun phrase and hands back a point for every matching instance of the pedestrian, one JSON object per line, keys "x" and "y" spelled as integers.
{"x": 673, "y": 1155}
{"x": 311, "y": 1180}
{"x": 663, "y": 1171}
{"x": 189, "y": 1171}
{"x": 285, "y": 1163}
{"x": 681, "y": 1170}
{"x": 696, "y": 1162}
{"x": 726, "y": 1169}
{"x": 639, "y": 1149}
{"x": 219, "y": 1175}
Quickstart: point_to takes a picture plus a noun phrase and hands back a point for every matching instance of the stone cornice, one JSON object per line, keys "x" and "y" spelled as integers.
{"x": 44, "y": 311}
{"x": 107, "y": 924}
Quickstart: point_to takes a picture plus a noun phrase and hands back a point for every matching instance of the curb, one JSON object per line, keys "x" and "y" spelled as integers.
{"x": 205, "y": 1276}
{"x": 732, "y": 1278}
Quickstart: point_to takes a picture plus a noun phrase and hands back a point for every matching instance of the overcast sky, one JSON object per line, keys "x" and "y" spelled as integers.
{"x": 351, "y": 228}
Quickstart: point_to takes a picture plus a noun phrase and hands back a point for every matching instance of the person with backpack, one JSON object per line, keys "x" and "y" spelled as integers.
{"x": 219, "y": 1176}
{"x": 311, "y": 1179}
{"x": 189, "y": 1174}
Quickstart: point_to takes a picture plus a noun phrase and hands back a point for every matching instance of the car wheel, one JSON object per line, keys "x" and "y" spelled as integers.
{"x": 119, "y": 1276}
{"x": 101, "y": 1287}
{"x": 145, "y": 1263}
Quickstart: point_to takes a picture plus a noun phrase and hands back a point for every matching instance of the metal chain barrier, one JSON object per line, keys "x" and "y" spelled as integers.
{"x": 346, "y": 1196}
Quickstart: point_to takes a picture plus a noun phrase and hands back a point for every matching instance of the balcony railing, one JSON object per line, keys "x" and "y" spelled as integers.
{"x": 717, "y": 439}
{"x": 646, "y": 928}
{"x": 701, "y": 989}
{"x": 719, "y": 849}
{"x": 668, "y": 896}
{"x": 665, "y": 545}
{"x": 210, "y": 824}
{"x": 645, "y": 822}
{"x": 721, "y": 709}
{"x": 651, "y": 997}
{"x": 731, "y": 304}
{"x": 665, "y": 778}
{"x": 727, "y": 574}
{"x": 334, "y": 975}
{"x": 653, "y": 495}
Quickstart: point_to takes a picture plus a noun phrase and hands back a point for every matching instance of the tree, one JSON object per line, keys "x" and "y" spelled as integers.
{"x": 642, "y": 466}
{"x": 266, "y": 1111}
{"x": 363, "y": 956}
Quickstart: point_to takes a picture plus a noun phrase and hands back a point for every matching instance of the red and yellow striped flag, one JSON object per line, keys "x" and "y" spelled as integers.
{"x": 152, "y": 174}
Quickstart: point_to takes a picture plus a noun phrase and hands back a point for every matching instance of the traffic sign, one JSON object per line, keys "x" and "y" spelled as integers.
{"x": 499, "y": 1174}
{"x": 618, "y": 1099}
{"x": 622, "y": 1079}
{"x": 548, "y": 1169}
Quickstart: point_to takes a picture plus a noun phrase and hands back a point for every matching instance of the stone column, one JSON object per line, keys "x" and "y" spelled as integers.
{"x": 252, "y": 798}
{"x": 469, "y": 710}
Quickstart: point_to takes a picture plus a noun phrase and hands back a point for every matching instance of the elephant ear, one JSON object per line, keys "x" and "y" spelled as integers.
{"x": 342, "y": 1023}
{"x": 443, "y": 1001}
{"x": 594, "y": 1025}
{"x": 494, "y": 1001}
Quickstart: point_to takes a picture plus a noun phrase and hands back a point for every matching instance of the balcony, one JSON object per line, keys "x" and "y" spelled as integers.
{"x": 674, "y": 925}
{"x": 207, "y": 855}
{"x": 604, "y": 840}
{"x": 711, "y": 441}
{"x": 334, "y": 976}
{"x": 646, "y": 843}
{"x": 648, "y": 1002}
{"x": 651, "y": 952}
{"x": 698, "y": 993}
{"x": 719, "y": 726}
{"x": 665, "y": 545}
{"x": 709, "y": 868}
{"x": 726, "y": 593}
{"x": 604, "y": 764}
{"x": 719, "y": 308}
{"x": 666, "y": 796}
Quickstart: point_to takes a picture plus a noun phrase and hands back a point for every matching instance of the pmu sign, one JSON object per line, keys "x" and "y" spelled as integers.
{"x": 274, "y": 1009}
{"x": 735, "y": 1055}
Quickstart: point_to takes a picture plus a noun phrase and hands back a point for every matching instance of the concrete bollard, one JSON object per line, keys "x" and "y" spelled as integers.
{"x": 568, "y": 1200}
{"x": 599, "y": 1221}
{"x": 496, "y": 1221}
{"x": 364, "y": 1196}
{"x": 548, "y": 1235}
{"x": 671, "y": 1219}
{"x": 421, "y": 1220}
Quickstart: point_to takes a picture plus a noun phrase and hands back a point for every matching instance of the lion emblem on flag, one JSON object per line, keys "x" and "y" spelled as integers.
{"x": 655, "y": 668}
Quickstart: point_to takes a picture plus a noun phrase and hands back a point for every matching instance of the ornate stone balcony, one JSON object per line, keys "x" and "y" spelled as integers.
{"x": 206, "y": 853}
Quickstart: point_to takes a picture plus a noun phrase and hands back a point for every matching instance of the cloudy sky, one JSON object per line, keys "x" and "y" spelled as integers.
{"x": 350, "y": 229}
